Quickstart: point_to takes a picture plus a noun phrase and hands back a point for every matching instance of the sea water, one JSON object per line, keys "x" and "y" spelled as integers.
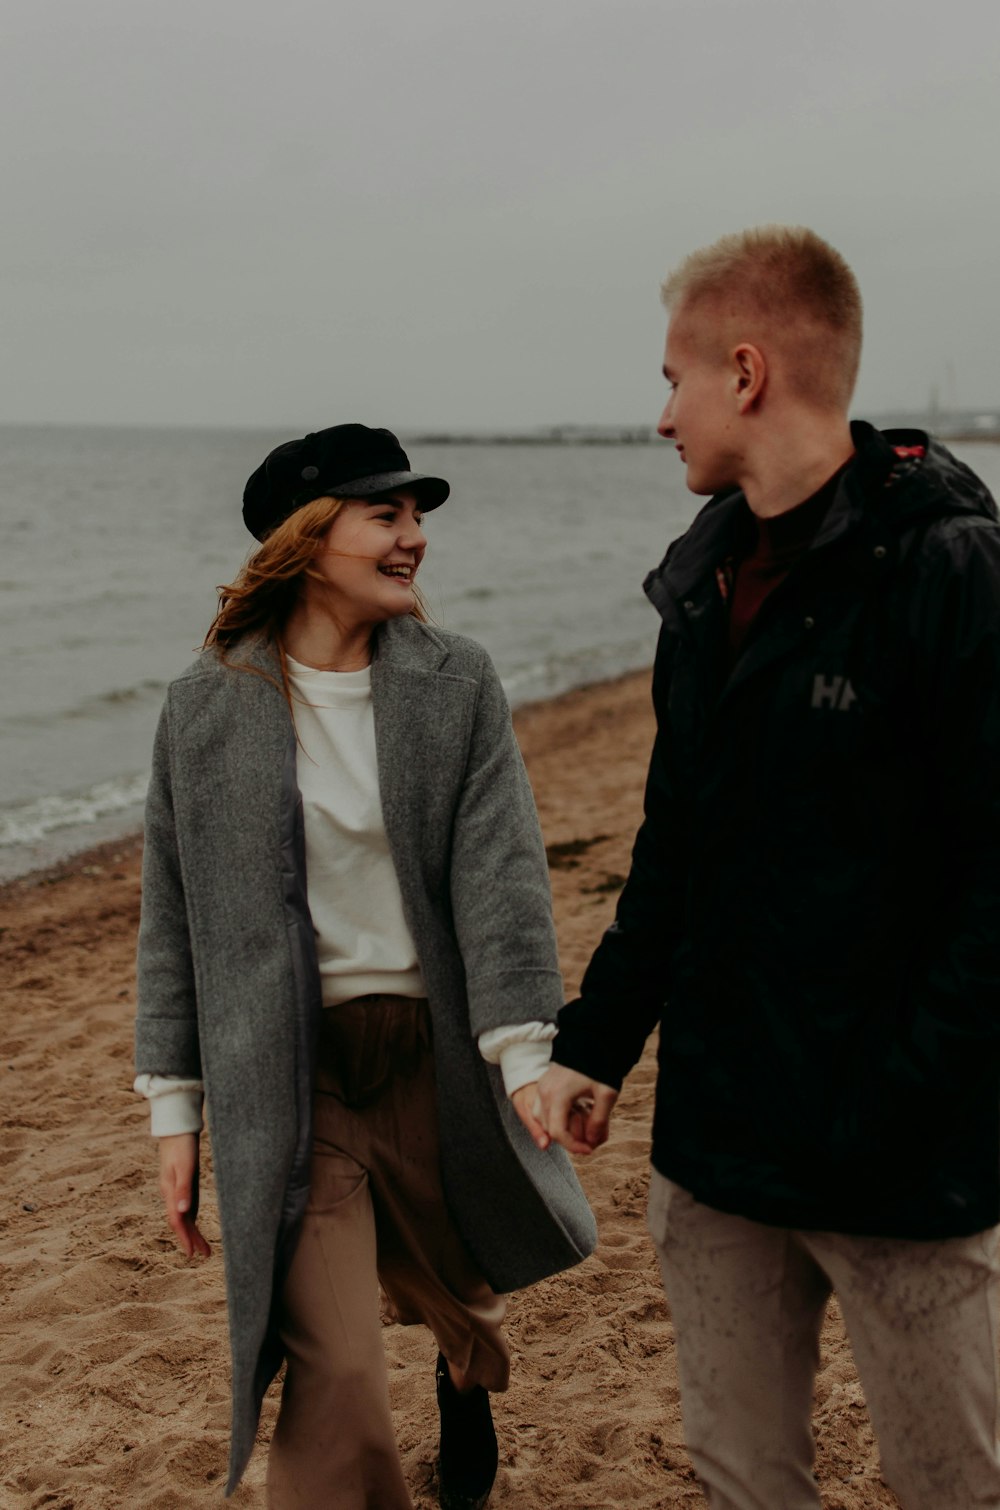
{"x": 114, "y": 542}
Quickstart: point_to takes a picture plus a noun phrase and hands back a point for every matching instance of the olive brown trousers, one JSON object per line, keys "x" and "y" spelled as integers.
{"x": 376, "y": 1214}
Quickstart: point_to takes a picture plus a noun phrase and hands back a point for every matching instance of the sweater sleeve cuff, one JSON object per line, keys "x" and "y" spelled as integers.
{"x": 522, "y": 1051}
{"x": 521, "y": 1063}
{"x": 175, "y": 1106}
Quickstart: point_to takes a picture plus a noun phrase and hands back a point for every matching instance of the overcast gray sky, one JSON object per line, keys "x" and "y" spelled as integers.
{"x": 456, "y": 213}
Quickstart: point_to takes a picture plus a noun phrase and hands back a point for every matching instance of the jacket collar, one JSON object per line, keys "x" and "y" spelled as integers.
{"x": 405, "y": 644}
{"x": 864, "y": 487}
{"x": 401, "y": 644}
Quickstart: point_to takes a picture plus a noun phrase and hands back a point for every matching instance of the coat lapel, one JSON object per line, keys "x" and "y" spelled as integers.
{"x": 423, "y": 721}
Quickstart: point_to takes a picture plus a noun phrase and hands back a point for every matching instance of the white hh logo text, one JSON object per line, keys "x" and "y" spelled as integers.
{"x": 833, "y": 692}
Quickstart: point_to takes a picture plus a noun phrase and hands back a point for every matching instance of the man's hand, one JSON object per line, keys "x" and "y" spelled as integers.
{"x": 179, "y": 1189}
{"x": 574, "y": 1109}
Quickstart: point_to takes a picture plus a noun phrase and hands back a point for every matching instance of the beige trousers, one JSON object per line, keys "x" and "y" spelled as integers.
{"x": 376, "y": 1212}
{"x": 747, "y": 1303}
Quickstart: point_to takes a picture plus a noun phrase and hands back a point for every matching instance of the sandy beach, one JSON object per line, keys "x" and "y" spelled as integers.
{"x": 113, "y": 1350}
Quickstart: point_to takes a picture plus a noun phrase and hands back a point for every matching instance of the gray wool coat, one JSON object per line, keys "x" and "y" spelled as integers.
{"x": 229, "y": 984}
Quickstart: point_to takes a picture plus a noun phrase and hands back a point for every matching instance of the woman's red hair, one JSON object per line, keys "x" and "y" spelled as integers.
{"x": 272, "y": 579}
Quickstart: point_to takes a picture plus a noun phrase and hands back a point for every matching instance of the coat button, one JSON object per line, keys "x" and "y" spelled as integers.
{"x": 880, "y": 552}
{"x": 689, "y": 606}
{"x": 808, "y": 623}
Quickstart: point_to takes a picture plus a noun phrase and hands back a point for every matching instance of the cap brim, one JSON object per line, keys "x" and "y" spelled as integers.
{"x": 431, "y": 491}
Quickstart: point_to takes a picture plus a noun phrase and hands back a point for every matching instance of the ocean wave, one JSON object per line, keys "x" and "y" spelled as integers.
{"x": 34, "y": 820}
{"x": 98, "y": 703}
{"x": 559, "y": 672}
{"x": 136, "y": 693}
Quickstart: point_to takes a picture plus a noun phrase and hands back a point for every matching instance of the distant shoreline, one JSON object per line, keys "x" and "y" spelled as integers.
{"x": 551, "y": 435}
{"x": 637, "y": 437}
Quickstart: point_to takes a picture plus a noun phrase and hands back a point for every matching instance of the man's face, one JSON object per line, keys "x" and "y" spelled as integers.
{"x": 701, "y": 413}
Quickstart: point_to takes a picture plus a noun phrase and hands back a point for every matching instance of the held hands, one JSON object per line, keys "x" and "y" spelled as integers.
{"x": 525, "y": 1101}
{"x": 179, "y": 1189}
{"x": 566, "y": 1107}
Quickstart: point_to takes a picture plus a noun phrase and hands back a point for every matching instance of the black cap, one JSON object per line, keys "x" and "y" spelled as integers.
{"x": 346, "y": 461}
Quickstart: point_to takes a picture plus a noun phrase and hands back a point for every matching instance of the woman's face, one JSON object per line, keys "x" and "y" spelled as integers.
{"x": 370, "y": 555}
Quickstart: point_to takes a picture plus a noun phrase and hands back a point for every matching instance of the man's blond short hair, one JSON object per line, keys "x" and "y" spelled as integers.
{"x": 787, "y": 286}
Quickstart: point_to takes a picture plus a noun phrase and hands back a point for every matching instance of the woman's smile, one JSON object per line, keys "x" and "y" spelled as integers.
{"x": 385, "y": 533}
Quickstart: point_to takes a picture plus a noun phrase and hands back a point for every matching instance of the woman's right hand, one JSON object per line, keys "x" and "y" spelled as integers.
{"x": 179, "y": 1189}
{"x": 524, "y": 1101}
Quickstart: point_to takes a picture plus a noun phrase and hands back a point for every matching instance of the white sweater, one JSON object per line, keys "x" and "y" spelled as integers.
{"x": 363, "y": 943}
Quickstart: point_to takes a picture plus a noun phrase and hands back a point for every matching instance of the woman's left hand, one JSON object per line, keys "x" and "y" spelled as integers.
{"x": 179, "y": 1189}
{"x": 525, "y": 1100}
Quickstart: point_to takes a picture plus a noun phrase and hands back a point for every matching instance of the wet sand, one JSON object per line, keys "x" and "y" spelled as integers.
{"x": 113, "y": 1349}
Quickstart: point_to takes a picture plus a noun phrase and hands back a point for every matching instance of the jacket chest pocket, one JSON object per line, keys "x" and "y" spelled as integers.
{"x": 832, "y": 759}
{"x": 839, "y": 696}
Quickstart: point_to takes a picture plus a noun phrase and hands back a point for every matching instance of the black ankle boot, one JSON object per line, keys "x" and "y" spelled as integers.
{"x": 467, "y": 1464}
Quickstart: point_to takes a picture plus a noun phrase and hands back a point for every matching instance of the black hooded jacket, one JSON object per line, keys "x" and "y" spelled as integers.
{"x": 813, "y": 909}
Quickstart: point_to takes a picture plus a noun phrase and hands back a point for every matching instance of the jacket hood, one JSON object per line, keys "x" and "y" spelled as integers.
{"x": 904, "y": 474}
{"x": 936, "y": 481}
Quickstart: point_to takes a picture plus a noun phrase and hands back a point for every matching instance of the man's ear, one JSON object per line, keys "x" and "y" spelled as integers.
{"x": 750, "y": 375}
